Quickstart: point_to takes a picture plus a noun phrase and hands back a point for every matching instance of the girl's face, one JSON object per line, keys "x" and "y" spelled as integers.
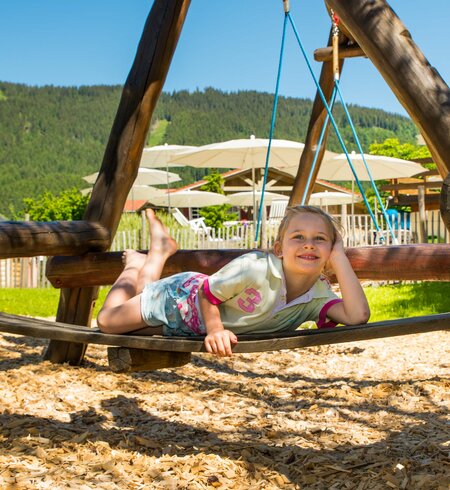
{"x": 306, "y": 244}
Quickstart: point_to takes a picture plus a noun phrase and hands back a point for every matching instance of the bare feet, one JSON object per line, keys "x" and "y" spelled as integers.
{"x": 133, "y": 259}
{"x": 161, "y": 241}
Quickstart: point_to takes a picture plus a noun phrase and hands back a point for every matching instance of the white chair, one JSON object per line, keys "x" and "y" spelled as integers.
{"x": 277, "y": 210}
{"x": 196, "y": 225}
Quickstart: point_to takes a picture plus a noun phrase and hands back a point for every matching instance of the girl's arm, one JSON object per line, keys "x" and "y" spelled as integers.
{"x": 354, "y": 308}
{"x": 218, "y": 340}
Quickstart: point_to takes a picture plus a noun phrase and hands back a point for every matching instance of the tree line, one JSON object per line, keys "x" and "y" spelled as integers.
{"x": 51, "y": 136}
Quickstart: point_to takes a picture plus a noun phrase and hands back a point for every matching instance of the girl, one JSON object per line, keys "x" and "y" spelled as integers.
{"x": 258, "y": 292}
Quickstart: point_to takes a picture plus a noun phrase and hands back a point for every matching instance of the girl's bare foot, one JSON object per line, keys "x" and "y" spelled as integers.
{"x": 161, "y": 242}
{"x": 133, "y": 259}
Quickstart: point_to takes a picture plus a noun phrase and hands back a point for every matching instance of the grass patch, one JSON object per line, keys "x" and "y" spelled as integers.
{"x": 31, "y": 302}
{"x": 406, "y": 300}
{"x": 37, "y": 302}
{"x": 386, "y": 302}
{"x": 157, "y": 133}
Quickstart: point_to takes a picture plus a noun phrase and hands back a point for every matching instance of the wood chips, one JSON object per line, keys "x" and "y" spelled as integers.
{"x": 366, "y": 415}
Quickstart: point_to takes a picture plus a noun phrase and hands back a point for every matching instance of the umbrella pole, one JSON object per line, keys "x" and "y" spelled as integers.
{"x": 353, "y": 199}
{"x": 344, "y": 223}
{"x": 264, "y": 241}
{"x": 254, "y": 195}
{"x": 168, "y": 193}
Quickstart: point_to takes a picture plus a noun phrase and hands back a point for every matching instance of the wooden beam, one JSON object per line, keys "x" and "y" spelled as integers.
{"x": 32, "y": 238}
{"x": 104, "y": 268}
{"x": 403, "y": 262}
{"x": 417, "y": 85}
{"x": 445, "y": 202}
{"x": 411, "y": 186}
{"x": 412, "y": 200}
{"x": 326, "y": 54}
{"x": 33, "y": 327}
{"x": 124, "y": 149}
{"x": 317, "y": 119}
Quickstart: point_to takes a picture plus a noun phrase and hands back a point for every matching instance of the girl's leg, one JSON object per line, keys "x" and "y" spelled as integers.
{"x": 121, "y": 311}
{"x": 162, "y": 246}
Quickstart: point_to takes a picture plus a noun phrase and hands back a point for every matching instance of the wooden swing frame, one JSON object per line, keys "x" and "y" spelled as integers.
{"x": 79, "y": 263}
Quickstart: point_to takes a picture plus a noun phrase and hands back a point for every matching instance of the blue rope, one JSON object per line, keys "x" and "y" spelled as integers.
{"x": 336, "y": 90}
{"x": 272, "y": 127}
{"x": 319, "y": 144}
{"x": 333, "y": 122}
{"x": 358, "y": 144}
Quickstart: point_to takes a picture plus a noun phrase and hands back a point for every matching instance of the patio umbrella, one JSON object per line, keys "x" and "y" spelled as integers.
{"x": 381, "y": 167}
{"x": 159, "y": 156}
{"x": 246, "y": 198}
{"x": 189, "y": 199}
{"x": 242, "y": 153}
{"x": 332, "y": 198}
{"x": 146, "y": 176}
{"x": 137, "y": 192}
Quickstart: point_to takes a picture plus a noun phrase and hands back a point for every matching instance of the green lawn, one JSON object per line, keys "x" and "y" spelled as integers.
{"x": 36, "y": 302}
{"x": 386, "y": 302}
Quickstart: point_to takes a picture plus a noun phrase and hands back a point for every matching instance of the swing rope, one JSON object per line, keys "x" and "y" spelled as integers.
{"x": 329, "y": 117}
{"x": 372, "y": 182}
{"x": 272, "y": 127}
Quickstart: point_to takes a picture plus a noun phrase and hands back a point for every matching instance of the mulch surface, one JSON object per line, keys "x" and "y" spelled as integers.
{"x": 363, "y": 415}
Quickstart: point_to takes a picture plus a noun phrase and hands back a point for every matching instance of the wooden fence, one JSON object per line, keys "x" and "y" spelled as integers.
{"x": 358, "y": 230}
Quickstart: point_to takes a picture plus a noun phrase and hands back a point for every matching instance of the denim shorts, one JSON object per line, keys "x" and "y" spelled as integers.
{"x": 173, "y": 303}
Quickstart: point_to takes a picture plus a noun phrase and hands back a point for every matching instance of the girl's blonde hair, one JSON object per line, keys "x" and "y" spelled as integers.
{"x": 333, "y": 225}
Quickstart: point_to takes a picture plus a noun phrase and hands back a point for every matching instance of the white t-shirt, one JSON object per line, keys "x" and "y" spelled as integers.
{"x": 250, "y": 292}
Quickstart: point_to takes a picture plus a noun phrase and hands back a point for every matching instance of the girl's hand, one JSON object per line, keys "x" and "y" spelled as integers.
{"x": 337, "y": 252}
{"x": 220, "y": 342}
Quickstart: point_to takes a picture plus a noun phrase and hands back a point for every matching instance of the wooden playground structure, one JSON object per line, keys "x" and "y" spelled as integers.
{"x": 80, "y": 262}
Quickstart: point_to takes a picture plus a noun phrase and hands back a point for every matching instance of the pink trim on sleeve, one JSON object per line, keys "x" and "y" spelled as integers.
{"x": 322, "y": 323}
{"x": 209, "y": 295}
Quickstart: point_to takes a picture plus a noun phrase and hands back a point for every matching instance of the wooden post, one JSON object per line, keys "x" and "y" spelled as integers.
{"x": 445, "y": 202}
{"x": 417, "y": 85}
{"x": 126, "y": 360}
{"x": 318, "y": 116}
{"x": 123, "y": 152}
{"x": 423, "y": 234}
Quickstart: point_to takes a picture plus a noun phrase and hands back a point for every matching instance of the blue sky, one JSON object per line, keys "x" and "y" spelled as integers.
{"x": 226, "y": 44}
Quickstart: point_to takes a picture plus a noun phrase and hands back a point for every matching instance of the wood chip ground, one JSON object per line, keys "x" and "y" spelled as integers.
{"x": 366, "y": 415}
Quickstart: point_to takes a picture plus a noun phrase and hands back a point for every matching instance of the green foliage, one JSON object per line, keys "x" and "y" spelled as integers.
{"x": 50, "y": 137}
{"x": 406, "y": 151}
{"x": 214, "y": 183}
{"x": 68, "y": 205}
{"x": 215, "y": 216}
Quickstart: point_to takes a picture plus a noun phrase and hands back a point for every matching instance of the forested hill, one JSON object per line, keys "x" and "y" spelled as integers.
{"x": 51, "y": 136}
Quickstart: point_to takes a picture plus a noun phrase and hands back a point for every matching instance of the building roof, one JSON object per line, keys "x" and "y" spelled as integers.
{"x": 239, "y": 180}
{"x": 287, "y": 178}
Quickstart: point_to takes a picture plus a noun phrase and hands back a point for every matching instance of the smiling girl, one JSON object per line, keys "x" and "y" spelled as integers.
{"x": 259, "y": 292}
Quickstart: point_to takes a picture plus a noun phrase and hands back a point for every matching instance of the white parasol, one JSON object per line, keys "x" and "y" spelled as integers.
{"x": 189, "y": 199}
